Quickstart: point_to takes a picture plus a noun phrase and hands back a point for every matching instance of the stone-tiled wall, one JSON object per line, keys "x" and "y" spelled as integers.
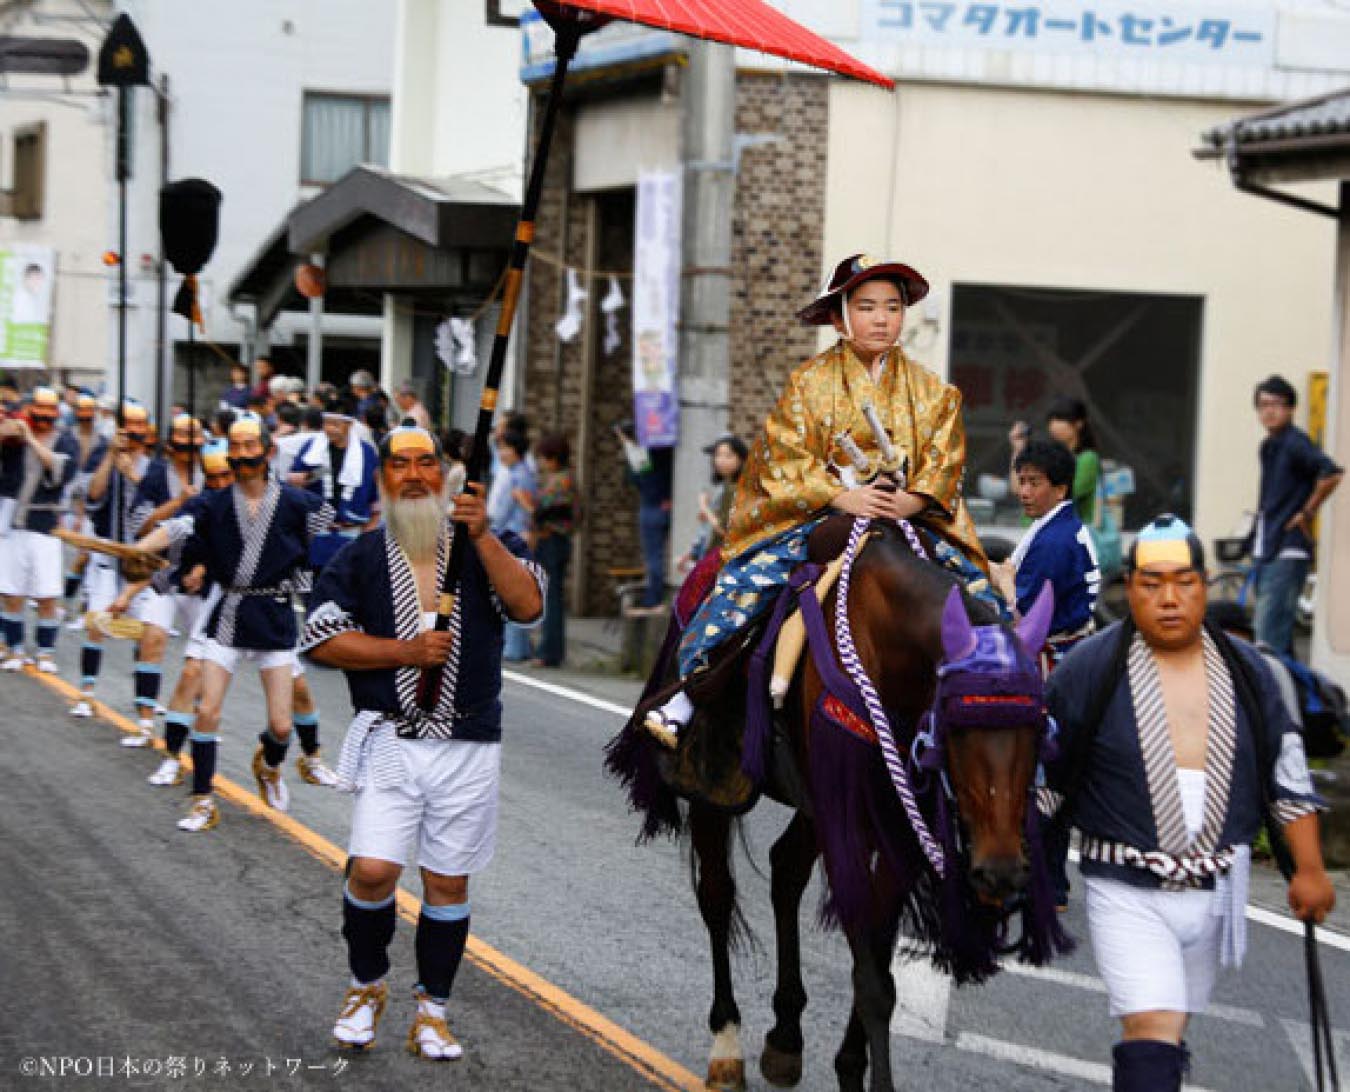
{"x": 777, "y": 236}
{"x": 777, "y": 231}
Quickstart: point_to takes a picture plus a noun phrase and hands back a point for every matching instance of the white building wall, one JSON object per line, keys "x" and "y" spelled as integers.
{"x": 459, "y": 105}
{"x": 76, "y": 201}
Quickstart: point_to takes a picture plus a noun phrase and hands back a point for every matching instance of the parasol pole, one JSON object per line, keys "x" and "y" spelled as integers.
{"x": 568, "y": 29}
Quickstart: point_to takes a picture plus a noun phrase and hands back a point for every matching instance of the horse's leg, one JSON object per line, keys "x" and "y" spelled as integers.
{"x": 710, "y": 833}
{"x": 873, "y": 993}
{"x": 792, "y": 859}
{"x": 850, "y": 1064}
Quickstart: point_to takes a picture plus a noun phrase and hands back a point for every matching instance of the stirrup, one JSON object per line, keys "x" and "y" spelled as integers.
{"x": 663, "y": 728}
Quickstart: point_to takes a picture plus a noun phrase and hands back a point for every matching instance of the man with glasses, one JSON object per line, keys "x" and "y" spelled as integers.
{"x": 37, "y": 459}
{"x": 1296, "y": 478}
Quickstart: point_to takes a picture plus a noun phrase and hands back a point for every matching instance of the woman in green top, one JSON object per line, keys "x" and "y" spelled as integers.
{"x": 1067, "y": 421}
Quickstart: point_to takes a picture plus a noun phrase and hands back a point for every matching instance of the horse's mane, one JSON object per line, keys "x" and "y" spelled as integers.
{"x": 926, "y": 575}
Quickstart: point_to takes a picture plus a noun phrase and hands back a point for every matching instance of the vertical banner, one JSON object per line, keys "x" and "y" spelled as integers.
{"x": 656, "y": 308}
{"x": 26, "y": 277}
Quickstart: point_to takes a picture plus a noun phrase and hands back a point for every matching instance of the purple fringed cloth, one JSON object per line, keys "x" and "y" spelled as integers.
{"x": 759, "y": 705}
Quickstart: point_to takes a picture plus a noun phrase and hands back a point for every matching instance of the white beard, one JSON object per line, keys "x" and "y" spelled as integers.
{"x": 417, "y": 525}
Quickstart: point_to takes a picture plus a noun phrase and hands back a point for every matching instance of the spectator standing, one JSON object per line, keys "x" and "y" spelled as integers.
{"x": 714, "y": 505}
{"x": 555, "y": 512}
{"x": 651, "y": 472}
{"x": 455, "y": 442}
{"x": 264, "y": 371}
{"x": 510, "y": 499}
{"x": 236, "y": 396}
{"x": 409, "y": 405}
{"x": 1296, "y": 479}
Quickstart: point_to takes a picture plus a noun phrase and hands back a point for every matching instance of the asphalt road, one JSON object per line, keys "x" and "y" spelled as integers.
{"x": 126, "y": 938}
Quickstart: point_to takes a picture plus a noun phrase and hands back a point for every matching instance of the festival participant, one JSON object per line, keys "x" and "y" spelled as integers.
{"x": 37, "y": 461}
{"x": 255, "y": 539}
{"x": 168, "y": 484}
{"x": 339, "y": 466}
{"x": 189, "y": 576}
{"x": 111, "y": 492}
{"x": 1174, "y": 746}
{"x": 425, "y": 778}
{"x": 92, "y": 447}
{"x": 800, "y": 469}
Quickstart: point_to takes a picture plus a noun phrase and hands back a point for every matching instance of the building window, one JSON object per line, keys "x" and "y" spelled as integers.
{"x": 23, "y": 200}
{"x": 1133, "y": 359}
{"x": 341, "y": 131}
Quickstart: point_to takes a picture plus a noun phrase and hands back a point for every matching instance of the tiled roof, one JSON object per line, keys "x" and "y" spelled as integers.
{"x": 1326, "y": 115}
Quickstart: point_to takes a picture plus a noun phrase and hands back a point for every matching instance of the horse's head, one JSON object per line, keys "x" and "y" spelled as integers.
{"x": 990, "y": 716}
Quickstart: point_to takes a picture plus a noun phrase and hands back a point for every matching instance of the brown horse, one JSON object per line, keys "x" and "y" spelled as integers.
{"x": 906, "y": 621}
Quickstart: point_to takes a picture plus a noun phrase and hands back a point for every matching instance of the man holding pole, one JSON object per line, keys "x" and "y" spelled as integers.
{"x": 424, "y": 777}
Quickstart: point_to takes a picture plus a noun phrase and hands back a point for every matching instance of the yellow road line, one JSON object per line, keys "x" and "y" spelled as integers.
{"x": 660, "y": 1070}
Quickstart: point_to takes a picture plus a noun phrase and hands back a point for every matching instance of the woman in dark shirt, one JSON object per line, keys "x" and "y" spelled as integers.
{"x": 554, "y": 519}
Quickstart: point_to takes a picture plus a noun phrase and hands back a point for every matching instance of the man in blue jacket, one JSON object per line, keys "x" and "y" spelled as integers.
{"x": 424, "y": 782}
{"x": 1056, "y": 547}
{"x": 1174, "y": 749}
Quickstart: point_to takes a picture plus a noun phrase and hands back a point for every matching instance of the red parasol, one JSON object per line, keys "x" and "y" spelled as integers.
{"x": 749, "y": 23}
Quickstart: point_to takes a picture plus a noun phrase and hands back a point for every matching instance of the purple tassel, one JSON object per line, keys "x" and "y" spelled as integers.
{"x": 1042, "y": 935}
{"x": 759, "y": 706}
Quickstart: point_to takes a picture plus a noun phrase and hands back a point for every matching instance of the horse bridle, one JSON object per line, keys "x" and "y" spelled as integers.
{"x": 971, "y": 699}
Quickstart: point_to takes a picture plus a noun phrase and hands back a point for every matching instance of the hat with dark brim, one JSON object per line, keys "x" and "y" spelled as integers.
{"x": 858, "y": 269}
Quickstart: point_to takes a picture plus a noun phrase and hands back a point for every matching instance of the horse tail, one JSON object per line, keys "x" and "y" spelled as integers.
{"x": 631, "y": 758}
{"x": 740, "y": 936}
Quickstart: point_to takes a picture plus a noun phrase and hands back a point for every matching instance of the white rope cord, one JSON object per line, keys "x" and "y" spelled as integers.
{"x": 848, "y": 654}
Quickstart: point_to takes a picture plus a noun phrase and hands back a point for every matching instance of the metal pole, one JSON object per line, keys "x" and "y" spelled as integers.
{"x": 123, "y": 171}
{"x": 708, "y": 102}
{"x": 164, "y": 372}
{"x": 314, "y": 359}
{"x": 569, "y": 33}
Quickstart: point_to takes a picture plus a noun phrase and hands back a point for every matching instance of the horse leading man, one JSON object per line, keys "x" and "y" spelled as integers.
{"x": 432, "y": 778}
{"x": 1169, "y": 788}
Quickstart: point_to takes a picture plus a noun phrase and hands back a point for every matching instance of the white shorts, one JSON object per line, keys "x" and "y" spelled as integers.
{"x": 447, "y": 804}
{"x": 195, "y": 649}
{"x": 1155, "y": 950}
{"x": 229, "y": 658}
{"x": 31, "y": 565}
{"x": 103, "y": 583}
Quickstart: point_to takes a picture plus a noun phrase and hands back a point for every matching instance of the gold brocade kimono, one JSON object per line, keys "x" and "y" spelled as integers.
{"x": 788, "y": 476}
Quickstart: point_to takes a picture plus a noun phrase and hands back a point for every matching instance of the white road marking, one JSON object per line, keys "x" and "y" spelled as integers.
{"x": 1093, "y": 984}
{"x": 1300, "y": 1038}
{"x": 922, "y": 997}
{"x": 1046, "y": 1060}
{"x": 567, "y": 692}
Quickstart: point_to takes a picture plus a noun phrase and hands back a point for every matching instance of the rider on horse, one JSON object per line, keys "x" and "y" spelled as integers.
{"x": 859, "y": 407}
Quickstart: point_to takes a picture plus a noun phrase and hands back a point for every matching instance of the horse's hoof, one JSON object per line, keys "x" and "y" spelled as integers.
{"x": 779, "y": 1068}
{"x": 726, "y": 1075}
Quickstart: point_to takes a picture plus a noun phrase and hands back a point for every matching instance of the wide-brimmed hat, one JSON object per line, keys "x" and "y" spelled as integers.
{"x": 858, "y": 269}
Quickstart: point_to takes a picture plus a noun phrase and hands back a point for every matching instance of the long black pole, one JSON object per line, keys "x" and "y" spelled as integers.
{"x": 123, "y": 171}
{"x": 568, "y": 34}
